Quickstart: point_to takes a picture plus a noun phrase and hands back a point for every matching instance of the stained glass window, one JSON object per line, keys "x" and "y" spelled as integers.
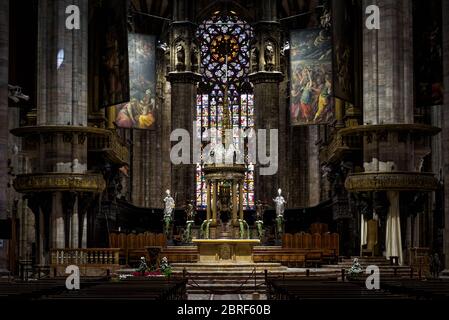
{"x": 225, "y": 49}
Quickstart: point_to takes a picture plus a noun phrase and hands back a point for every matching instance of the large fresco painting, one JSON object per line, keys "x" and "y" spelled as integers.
{"x": 311, "y": 77}
{"x": 140, "y": 111}
{"x": 428, "y": 43}
{"x": 111, "y": 23}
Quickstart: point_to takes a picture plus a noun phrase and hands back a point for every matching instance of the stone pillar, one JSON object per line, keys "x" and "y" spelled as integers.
{"x": 241, "y": 199}
{"x": 42, "y": 228}
{"x": 183, "y": 79}
{"x": 84, "y": 231}
{"x": 388, "y": 98}
{"x": 388, "y": 65}
{"x": 4, "y": 66}
{"x": 234, "y": 202}
{"x": 62, "y": 102}
{"x": 208, "y": 201}
{"x": 266, "y": 104}
{"x": 62, "y": 85}
{"x": 183, "y": 97}
{"x": 266, "y": 78}
{"x": 214, "y": 201}
{"x": 58, "y": 222}
{"x": 445, "y": 133}
{"x": 74, "y": 226}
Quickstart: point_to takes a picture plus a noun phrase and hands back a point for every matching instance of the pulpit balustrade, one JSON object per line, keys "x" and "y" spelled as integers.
{"x": 91, "y": 256}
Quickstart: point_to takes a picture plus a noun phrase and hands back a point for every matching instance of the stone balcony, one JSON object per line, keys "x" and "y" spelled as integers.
{"x": 338, "y": 147}
{"x": 111, "y": 145}
{"x": 99, "y": 140}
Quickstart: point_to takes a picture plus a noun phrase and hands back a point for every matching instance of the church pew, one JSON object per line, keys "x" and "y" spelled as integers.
{"x": 316, "y": 289}
{"x": 130, "y": 289}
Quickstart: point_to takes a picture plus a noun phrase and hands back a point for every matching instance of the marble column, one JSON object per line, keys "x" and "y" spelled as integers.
{"x": 42, "y": 230}
{"x": 84, "y": 231}
{"x": 62, "y": 63}
{"x": 266, "y": 77}
{"x": 266, "y": 106}
{"x": 74, "y": 226}
{"x": 444, "y": 137}
{"x": 183, "y": 97}
{"x": 58, "y": 222}
{"x": 183, "y": 79}
{"x": 208, "y": 199}
{"x": 214, "y": 201}
{"x": 388, "y": 91}
{"x": 388, "y": 65}
{"x": 241, "y": 200}
{"x": 234, "y": 202}
{"x": 4, "y": 66}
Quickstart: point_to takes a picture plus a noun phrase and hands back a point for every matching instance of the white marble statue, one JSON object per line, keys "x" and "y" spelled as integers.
{"x": 168, "y": 211}
{"x": 279, "y": 203}
{"x": 280, "y": 207}
{"x": 169, "y": 203}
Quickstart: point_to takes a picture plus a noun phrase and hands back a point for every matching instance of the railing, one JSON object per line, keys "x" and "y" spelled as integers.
{"x": 338, "y": 144}
{"x": 91, "y": 256}
{"x": 111, "y": 144}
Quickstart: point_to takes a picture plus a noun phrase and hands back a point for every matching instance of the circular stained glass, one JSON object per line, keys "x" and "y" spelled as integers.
{"x": 224, "y": 48}
{"x": 224, "y": 44}
{"x": 225, "y": 39}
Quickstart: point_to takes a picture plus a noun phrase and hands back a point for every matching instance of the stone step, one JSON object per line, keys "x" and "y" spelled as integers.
{"x": 239, "y": 268}
{"x": 225, "y": 291}
{"x": 211, "y": 277}
{"x": 227, "y": 265}
{"x": 364, "y": 265}
{"x": 381, "y": 262}
{"x": 248, "y": 271}
{"x": 224, "y": 282}
{"x": 225, "y": 288}
{"x": 382, "y": 259}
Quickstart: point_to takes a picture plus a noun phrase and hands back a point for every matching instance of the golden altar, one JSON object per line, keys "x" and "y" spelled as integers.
{"x": 224, "y": 251}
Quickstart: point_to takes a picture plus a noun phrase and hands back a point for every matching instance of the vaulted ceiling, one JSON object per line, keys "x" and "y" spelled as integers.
{"x": 162, "y": 8}
{"x": 153, "y": 16}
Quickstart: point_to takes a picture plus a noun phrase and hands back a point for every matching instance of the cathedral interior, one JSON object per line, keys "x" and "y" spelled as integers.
{"x": 212, "y": 142}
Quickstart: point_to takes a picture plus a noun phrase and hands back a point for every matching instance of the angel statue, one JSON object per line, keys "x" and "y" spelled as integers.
{"x": 190, "y": 220}
{"x": 204, "y": 229}
{"x": 244, "y": 229}
{"x": 180, "y": 57}
{"x": 280, "y": 207}
{"x": 168, "y": 212}
{"x": 260, "y": 208}
{"x": 269, "y": 56}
